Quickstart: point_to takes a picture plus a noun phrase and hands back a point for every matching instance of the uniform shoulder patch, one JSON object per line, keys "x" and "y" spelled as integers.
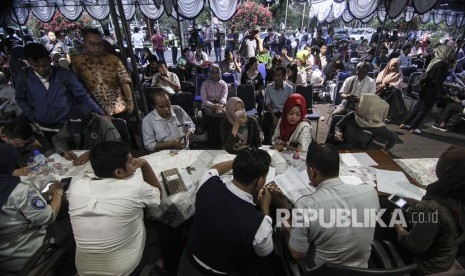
{"x": 38, "y": 203}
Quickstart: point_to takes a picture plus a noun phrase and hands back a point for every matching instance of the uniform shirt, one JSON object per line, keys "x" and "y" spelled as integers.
{"x": 108, "y": 223}
{"x": 157, "y": 129}
{"x": 349, "y": 246}
{"x": 277, "y": 98}
{"x": 57, "y": 47}
{"x": 103, "y": 78}
{"x": 23, "y": 221}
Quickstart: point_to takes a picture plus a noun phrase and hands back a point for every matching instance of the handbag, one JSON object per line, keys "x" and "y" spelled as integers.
{"x": 419, "y": 83}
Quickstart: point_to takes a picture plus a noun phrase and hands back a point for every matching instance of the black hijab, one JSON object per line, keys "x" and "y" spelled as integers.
{"x": 8, "y": 161}
{"x": 332, "y": 68}
{"x": 449, "y": 190}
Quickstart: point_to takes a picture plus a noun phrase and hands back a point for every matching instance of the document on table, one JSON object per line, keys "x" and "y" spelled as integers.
{"x": 351, "y": 179}
{"x": 271, "y": 175}
{"x": 359, "y": 159}
{"x": 395, "y": 182}
{"x": 293, "y": 184}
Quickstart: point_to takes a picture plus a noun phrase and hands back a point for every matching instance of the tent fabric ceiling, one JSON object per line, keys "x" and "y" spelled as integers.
{"x": 451, "y": 11}
{"x": 99, "y": 9}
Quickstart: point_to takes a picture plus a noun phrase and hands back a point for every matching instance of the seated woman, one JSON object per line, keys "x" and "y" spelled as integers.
{"x": 292, "y": 129}
{"x": 291, "y": 74}
{"x": 333, "y": 68}
{"x": 214, "y": 92}
{"x": 358, "y": 129}
{"x": 237, "y": 130}
{"x": 434, "y": 242}
{"x": 389, "y": 85}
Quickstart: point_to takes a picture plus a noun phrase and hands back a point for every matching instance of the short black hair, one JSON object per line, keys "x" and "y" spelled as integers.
{"x": 108, "y": 156}
{"x": 282, "y": 70}
{"x": 324, "y": 158}
{"x": 18, "y": 129}
{"x": 136, "y": 29}
{"x": 406, "y": 46}
{"x": 162, "y": 62}
{"x": 87, "y": 31}
{"x": 157, "y": 92}
{"x": 35, "y": 51}
{"x": 152, "y": 58}
{"x": 251, "y": 164}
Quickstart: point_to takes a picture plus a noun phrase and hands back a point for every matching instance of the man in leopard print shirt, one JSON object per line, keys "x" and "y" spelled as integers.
{"x": 104, "y": 75}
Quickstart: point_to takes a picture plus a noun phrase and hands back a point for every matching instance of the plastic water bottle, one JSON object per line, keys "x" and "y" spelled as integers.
{"x": 39, "y": 158}
{"x": 296, "y": 154}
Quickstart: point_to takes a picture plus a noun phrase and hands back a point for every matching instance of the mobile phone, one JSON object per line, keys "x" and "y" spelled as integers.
{"x": 398, "y": 201}
{"x": 65, "y": 182}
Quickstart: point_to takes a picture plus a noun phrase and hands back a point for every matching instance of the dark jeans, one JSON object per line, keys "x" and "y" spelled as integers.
{"x": 260, "y": 100}
{"x": 450, "y": 110}
{"x": 418, "y": 113}
{"x": 217, "y": 54}
{"x": 139, "y": 52}
{"x": 174, "y": 54}
{"x": 160, "y": 54}
{"x": 208, "y": 47}
{"x": 268, "y": 127}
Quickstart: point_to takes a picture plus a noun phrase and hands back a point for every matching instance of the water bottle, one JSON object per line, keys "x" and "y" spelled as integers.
{"x": 39, "y": 158}
{"x": 296, "y": 154}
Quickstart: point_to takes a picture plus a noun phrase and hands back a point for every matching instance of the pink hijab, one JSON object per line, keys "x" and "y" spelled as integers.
{"x": 230, "y": 106}
{"x": 393, "y": 77}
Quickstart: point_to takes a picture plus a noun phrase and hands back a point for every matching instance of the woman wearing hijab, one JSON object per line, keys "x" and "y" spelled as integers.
{"x": 214, "y": 92}
{"x": 389, "y": 85}
{"x": 293, "y": 130}
{"x": 433, "y": 87}
{"x": 334, "y": 67}
{"x": 24, "y": 213}
{"x": 237, "y": 130}
{"x": 434, "y": 242}
{"x": 356, "y": 130}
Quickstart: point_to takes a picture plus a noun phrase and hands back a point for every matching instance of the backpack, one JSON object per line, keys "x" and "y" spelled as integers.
{"x": 419, "y": 83}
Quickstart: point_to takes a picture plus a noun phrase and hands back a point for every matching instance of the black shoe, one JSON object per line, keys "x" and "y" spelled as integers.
{"x": 438, "y": 127}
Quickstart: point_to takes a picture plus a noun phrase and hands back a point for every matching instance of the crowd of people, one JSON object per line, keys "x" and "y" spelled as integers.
{"x": 65, "y": 102}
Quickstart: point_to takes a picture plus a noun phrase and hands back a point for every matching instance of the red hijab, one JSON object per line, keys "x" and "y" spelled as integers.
{"x": 285, "y": 128}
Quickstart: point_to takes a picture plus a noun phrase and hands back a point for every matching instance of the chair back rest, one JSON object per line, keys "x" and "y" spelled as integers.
{"x": 188, "y": 87}
{"x": 337, "y": 97}
{"x": 262, "y": 70}
{"x": 306, "y": 92}
{"x": 246, "y": 92}
{"x": 341, "y": 76}
{"x": 122, "y": 127}
{"x": 199, "y": 79}
{"x": 229, "y": 78}
{"x": 411, "y": 79}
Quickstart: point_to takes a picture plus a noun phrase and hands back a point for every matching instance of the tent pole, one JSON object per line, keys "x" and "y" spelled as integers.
{"x": 303, "y": 14}
{"x": 117, "y": 31}
{"x": 135, "y": 70}
{"x": 181, "y": 35}
{"x": 285, "y": 16}
{"x": 382, "y": 28}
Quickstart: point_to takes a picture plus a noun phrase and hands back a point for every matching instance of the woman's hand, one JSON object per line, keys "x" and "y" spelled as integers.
{"x": 338, "y": 136}
{"x": 241, "y": 120}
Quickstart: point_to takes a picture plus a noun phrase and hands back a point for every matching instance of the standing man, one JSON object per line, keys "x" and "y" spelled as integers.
{"x": 167, "y": 126}
{"x": 350, "y": 246}
{"x": 137, "y": 40}
{"x": 105, "y": 76}
{"x": 158, "y": 46}
{"x": 55, "y": 45}
{"x": 251, "y": 45}
{"x": 36, "y": 85}
{"x": 174, "y": 47}
{"x": 231, "y": 40}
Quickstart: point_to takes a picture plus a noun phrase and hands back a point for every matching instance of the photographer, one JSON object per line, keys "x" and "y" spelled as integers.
{"x": 165, "y": 79}
{"x": 355, "y": 86}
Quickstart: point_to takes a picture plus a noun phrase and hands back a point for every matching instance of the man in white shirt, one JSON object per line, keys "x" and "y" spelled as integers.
{"x": 230, "y": 235}
{"x": 107, "y": 213}
{"x": 354, "y": 86}
{"x": 167, "y": 126}
{"x": 345, "y": 245}
{"x": 166, "y": 79}
{"x": 137, "y": 40}
{"x": 404, "y": 59}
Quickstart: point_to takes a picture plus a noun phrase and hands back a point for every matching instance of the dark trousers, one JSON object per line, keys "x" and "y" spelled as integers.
{"x": 139, "y": 52}
{"x": 174, "y": 54}
{"x": 208, "y": 47}
{"x": 160, "y": 54}
{"x": 268, "y": 127}
{"x": 260, "y": 100}
{"x": 450, "y": 110}
{"x": 418, "y": 113}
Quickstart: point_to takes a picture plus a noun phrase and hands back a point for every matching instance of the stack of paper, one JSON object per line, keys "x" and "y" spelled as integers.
{"x": 277, "y": 161}
{"x": 294, "y": 184}
{"x": 395, "y": 182}
{"x": 361, "y": 159}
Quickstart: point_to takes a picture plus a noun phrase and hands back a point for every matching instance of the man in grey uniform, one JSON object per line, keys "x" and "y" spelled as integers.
{"x": 24, "y": 214}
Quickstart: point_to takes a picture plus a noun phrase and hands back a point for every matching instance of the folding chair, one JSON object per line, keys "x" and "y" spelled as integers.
{"x": 122, "y": 127}
{"x": 307, "y": 93}
{"x": 246, "y": 93}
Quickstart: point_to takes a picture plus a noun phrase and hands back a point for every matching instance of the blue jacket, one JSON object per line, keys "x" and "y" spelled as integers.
{"x": 50, "y": 107}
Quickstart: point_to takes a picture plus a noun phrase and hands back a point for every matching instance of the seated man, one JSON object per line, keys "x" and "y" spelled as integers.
{"x": 166, "y": 79}
{"x": 350, "y": 245}
{"x": 167, "y": 126}
{"x": 276, "y": 94}
{"x": 107, "y": 213}
{"x": 24, "y": 214}
{"x": 150, "y": 70}
{"x": 222, "y": 211}
{"x": 82, "y": 131}
{"x": 354, "y": 86}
